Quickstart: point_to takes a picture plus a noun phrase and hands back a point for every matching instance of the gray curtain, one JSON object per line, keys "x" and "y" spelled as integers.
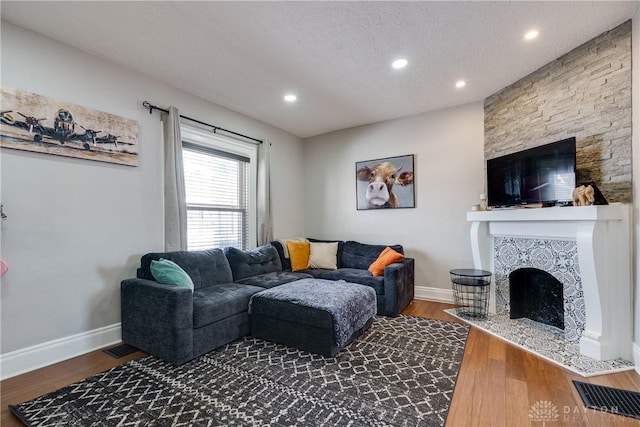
{"x": 265, "y": 222}
{"x": 175, "y": 208}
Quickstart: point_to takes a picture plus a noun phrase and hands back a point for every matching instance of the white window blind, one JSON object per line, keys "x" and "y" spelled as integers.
{"x": 217, "y": 196}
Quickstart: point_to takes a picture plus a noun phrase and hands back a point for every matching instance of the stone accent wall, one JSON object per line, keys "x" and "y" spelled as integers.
{"x": 586, "y": 93}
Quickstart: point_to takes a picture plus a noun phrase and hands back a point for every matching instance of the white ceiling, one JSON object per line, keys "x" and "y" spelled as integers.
{"x": 335, "y": 56}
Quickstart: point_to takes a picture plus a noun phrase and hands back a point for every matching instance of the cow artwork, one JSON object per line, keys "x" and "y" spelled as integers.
{"x": 385, "y": 183}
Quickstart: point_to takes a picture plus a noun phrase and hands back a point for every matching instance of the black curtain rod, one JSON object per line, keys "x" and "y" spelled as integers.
{"x": 151, "y": 107}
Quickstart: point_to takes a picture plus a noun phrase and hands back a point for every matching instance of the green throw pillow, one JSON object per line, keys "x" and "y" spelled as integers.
{"x": 169, "y": 273}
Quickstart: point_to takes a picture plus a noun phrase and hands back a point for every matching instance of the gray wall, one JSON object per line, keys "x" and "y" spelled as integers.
{"x": 447, "y": 145}
{"x": 585, "y": 93}
{"x": 636, "y": 186}
{"x": 75, "y": 227}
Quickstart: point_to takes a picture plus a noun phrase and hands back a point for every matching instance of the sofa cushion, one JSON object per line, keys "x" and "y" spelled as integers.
{"x": 263, "y": 259}
{"x": 340, "y": 247}
{"x": 218, "y": 302}
{"x": 285, "y": 262}
{"x": 323, "y": 255}
{"x": 206, "y": 268}
{"x": 298, "y": 254}
{"x": 356, "y": 275}
{"x": 315, "y": 272}
{"x": 275, "y": 278}
{"x": 169, "y": 273}
{"x": 387, "y": 257}
{"x": 362, "y": 255}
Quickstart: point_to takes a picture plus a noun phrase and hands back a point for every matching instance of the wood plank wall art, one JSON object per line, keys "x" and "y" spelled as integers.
{"x": 41, "y": 124}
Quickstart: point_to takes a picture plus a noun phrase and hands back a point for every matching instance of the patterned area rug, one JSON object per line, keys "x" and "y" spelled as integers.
{"x": 401, "y": 372}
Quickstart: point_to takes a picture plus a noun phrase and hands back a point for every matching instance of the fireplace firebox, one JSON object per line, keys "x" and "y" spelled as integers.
{"x": 536, "y": 295}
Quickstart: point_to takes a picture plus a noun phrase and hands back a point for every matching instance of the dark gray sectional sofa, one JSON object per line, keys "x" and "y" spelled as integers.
{"x": 177, "y": 324}
{"x": 394, "y": 290}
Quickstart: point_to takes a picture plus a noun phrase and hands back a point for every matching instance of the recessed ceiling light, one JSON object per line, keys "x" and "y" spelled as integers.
{"x": 290, "y": 98}
{"x": 531, "y": 35}
{"x": 460, "y": 84}
{"x": 399, "y": 63}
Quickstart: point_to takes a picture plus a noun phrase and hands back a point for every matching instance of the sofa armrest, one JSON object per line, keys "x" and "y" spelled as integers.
{"x": 158, "y": 319}
{"x": 398, "y": 286}
{"x": 286, "y": 262}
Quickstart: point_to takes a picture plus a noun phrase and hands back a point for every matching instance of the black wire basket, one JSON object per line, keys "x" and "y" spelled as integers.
{"x": 471, "y": 291}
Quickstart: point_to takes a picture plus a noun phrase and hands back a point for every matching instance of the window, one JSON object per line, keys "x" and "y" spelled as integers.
{"x": 219, "y": 184}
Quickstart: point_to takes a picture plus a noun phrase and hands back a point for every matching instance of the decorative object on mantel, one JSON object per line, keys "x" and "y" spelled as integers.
{"x": 483, "y": 205}
{"x": 33, "y": 122}
{"x": 375, "y": 181}
{"x": 483, "y": 202}
{"x": 583, "y": 195}
{"x": 588, "y": 194}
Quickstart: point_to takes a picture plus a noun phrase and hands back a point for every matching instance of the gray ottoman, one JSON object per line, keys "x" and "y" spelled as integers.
{"x": 315, "y": 315}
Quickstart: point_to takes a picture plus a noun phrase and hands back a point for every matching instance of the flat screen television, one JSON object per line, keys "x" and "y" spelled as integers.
{"x": 541, "y": 175}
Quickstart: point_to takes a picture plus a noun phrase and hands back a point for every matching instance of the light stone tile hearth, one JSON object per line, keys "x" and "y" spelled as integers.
{"x": 544, "y": 341}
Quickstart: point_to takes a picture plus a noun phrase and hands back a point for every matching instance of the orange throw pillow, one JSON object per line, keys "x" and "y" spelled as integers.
{"x": 387, "y": 256}
{"x": 299, "y": 255}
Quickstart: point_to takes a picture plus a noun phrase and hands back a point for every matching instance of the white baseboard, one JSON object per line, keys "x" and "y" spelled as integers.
{"x": 636, "y": 356}
{"x": 27, "y": 359}
{"x": 433, "y": 294}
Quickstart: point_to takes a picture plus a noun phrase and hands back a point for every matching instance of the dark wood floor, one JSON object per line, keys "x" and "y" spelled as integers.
{"x": 498, "y": 383}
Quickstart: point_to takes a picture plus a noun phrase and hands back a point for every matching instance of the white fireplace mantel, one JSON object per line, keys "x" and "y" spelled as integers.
{"x": 602, "y": 235}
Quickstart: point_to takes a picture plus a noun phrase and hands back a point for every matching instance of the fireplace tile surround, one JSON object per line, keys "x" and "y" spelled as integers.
{"x": 587, "y": 248}
{"x": 557, "y": 257}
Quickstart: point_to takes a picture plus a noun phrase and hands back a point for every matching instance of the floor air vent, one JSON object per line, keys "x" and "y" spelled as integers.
{"x": 120, "y": 350}
{"x": 608, "y": 399}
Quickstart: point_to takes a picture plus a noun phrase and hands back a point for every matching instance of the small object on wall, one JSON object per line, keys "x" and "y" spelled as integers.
{"x": 588, "y": 194}
{"x": 33, "y": 122}
{"x": 3, "y": 265}
{"x": 375, "y": 180}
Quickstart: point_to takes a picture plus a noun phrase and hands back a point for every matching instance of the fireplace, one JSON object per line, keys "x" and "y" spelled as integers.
{"x": 536, "y": 295}
{"x": 558, "y": 258}
{"x": 586, "y": 248}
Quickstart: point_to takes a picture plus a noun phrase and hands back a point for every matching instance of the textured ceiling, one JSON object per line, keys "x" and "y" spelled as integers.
{"x": 334, "y": 55}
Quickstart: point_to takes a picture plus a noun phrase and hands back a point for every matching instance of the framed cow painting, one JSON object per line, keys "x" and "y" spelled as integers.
{"x": 385, "y": 183}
